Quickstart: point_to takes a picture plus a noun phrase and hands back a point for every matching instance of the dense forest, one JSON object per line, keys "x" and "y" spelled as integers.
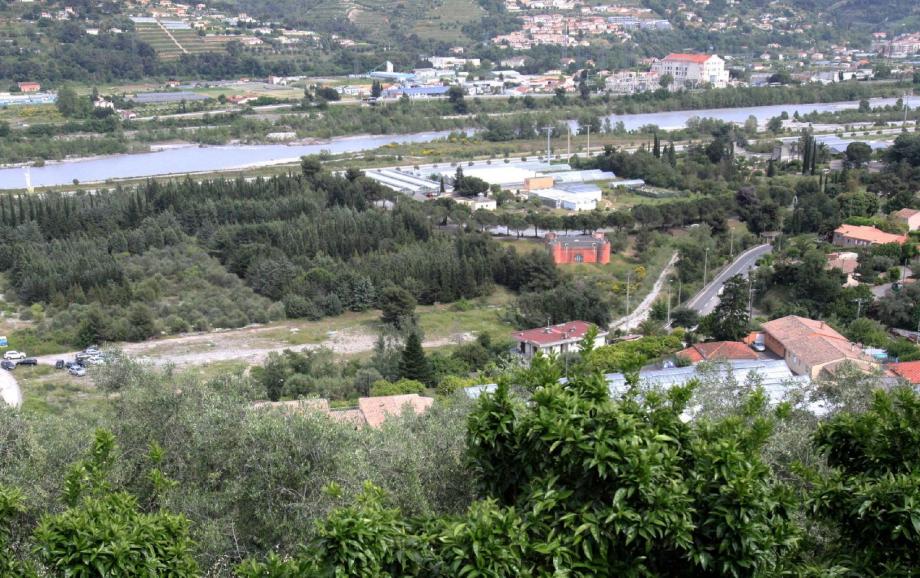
{"x": 129, "y": 264}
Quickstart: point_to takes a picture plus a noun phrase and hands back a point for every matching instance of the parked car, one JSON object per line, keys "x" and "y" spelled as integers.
{"x": 8, "y": 365}
{"x": 95, "y": 360}
{"x": 60, "y": 364}
{"x": 14, "y": 355}
{"x": 77, "y": 371}
{"x": 72, "y": 364}
{"x": 92, "y": 350}
{"x": 27, "y": 361}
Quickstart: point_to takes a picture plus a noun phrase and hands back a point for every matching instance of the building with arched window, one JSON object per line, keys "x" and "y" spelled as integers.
{"x": 578, "y": 248}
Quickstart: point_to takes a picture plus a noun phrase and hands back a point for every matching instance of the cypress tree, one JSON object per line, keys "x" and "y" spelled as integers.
{"x": 656, "y": 147}
{"x": 414, "y": 364}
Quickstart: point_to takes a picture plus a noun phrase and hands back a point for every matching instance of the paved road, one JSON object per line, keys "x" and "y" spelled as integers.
{"x": 708, "y": 297}
{"x": 879, "y": 291}
{"x": 9, "y": 389}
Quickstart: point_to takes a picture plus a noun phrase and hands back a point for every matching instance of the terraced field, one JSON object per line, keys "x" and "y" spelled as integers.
{"x": 186, "y": 41}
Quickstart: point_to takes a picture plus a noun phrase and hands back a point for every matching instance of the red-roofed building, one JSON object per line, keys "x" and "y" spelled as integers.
{"x": 692, "y": 70}
{"x": 376, "y": 409}
{"x": 717, "y": 351}
{"x": 554, "y": 339}
{"x": 29, "y": 86}
{"x": 566, "y": 249}
{"x": 909, "y": 217}
{"x": 862, "y": 236}
{"x": 908, "y": 370}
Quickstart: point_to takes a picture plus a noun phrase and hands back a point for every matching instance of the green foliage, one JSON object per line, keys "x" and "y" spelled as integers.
{"x": 397, "y": 307}
{"x": 629, "y": 356}
{"x": 729, "y": 320}
{"x": 104, "y": 532}
{"x": 414, "y": 364}
{"x": 403, "y": 386}
{"x": 872, "y": 495}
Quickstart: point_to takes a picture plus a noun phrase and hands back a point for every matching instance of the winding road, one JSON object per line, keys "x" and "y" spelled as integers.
{"x": 708, "y": 297}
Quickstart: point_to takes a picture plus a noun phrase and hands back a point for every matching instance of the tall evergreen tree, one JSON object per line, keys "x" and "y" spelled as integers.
{"x": 414, "y": 364}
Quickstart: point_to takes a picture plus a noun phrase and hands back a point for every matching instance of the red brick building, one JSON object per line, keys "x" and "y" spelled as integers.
{"x": 578, "y": 248}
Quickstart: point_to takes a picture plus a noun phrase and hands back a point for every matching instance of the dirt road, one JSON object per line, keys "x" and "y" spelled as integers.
{"x": 250, "y": 345}
{"x": 641, "y": 313}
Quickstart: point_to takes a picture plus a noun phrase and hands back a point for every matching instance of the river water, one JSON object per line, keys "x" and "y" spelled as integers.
{"x": 194, "y": 159}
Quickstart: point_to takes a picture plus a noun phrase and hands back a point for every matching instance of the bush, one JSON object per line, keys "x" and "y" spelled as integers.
{"x": 383, "y": 387}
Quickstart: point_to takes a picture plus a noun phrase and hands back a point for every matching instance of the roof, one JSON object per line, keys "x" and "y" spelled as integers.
{"x": 717, "y": 350}
{"x": 564, "y": 332}
{"x": 869, "y": 234}
{"x": 576, "y": 241}
{"x": 377, "y": 409}
{"x": 846, "y": 262}
{"x": 909, "y": 370}
{"x": 697, "y": 58}
{"x": 813, "y": 342}
{"x": 906, "y": 213}
{"x": 772, "y": 374}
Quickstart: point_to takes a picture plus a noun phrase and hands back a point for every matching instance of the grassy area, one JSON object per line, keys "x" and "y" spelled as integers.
{"x": 48, "y": 391}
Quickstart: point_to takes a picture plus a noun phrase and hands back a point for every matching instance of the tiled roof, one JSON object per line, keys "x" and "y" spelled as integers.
{"x": 869, "y": 234}
{"x": 909, "y": 370}
{"x": 697, "y": 58}
{"x": 906, "y": 213}
{"x": 813, "y": 342}
{"x": 571, "y": 331}
{"x": 721, "y": 350}
{"x": 846, "y": 262}
{"x": 376, "y": 409}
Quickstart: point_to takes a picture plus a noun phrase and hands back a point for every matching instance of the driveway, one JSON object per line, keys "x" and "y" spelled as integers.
{"x": 9, "y": 389}
{"x": 708, "y": 297}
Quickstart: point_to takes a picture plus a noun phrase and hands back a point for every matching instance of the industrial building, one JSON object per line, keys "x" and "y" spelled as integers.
{"x": 403, "y": 182}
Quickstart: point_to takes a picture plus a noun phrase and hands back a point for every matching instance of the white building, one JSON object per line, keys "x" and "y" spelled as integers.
{"x": 556, "y": 339}
{"x": 632, "y": 82}
{"x": 692, "y": 70}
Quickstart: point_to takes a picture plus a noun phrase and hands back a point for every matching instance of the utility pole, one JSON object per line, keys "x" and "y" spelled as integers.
{"x": 680, "y": 287}
{"x": 706, "y": 267}
{"x": 589, "y": 140}
{"x": 628, "y": 277}
{"x": 549, "y": 131}
{"x": 731, "y": 245}
{"x": 859, "y": 303}
{"x": 750, "y": 298}
{"x": 669, "y": 302}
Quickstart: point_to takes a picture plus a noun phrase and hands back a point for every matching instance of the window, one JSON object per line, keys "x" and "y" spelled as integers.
{"x": 579, "y": 258}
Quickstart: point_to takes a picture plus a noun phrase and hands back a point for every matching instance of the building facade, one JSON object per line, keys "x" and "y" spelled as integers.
{"x": 555, "y": 339}
{"x": 692, "y": 70}
{"x": 566, "y": 249}
{"x": 862, "y": 236}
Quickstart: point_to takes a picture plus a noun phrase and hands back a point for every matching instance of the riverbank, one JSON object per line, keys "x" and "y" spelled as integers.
{"x": 214, "y": 160}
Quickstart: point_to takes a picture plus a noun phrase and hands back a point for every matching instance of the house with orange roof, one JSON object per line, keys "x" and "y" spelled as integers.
{"x": 909, "y": 217}
{"x": 862, "y": 236}
{"x": 692, "y": 70}
{"x": 907, "y": 370}
{"x": 717, "y": 351}
{"x": 813, "y": 348}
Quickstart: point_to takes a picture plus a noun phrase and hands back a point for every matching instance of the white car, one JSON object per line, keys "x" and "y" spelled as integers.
{"x": 77, "y": 371}
{"x": 14, "y": 355}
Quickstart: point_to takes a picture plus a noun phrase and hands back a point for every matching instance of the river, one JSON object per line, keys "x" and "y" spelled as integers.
{"x": 194, "y": 159}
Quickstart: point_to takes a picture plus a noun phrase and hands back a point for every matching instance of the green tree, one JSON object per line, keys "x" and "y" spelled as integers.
{"x": 397, "y": 307}
{"x": 414, "y": 364}
{"x": 729, "y": 320}
{"x": 104, "y": 532}
{"x": 376, "y": 89}
{"x": 858, "y": 154}
{"x": 871, "y": 496}
{"x": 70, "y": 104}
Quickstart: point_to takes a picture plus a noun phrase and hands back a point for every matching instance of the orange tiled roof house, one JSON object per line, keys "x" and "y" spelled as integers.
{"x": 812, "y": 348}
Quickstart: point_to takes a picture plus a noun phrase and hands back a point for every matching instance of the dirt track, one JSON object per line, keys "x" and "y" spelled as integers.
{"x": 251, "y": 345}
